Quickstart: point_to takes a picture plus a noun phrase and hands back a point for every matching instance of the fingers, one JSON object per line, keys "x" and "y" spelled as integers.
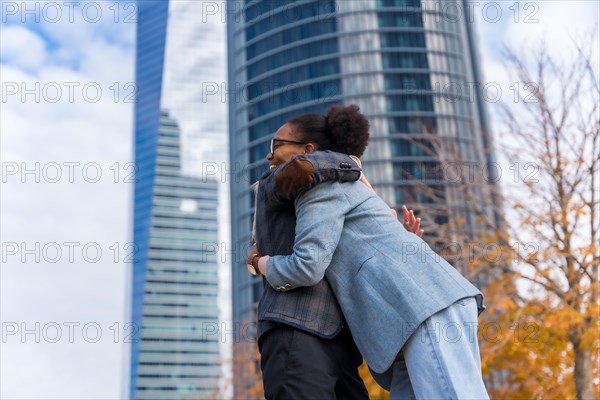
{"x": 409, "y": 216}
{"x": 412, "y": 223}
{"x": 416, "y": 226}
{"x": 405, "y": 212}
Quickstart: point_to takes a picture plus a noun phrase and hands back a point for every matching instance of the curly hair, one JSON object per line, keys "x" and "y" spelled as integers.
{"x": 343, "y": 129}
{"x": 349, "y": 130}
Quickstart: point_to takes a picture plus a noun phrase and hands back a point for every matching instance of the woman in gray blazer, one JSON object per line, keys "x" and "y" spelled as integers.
{"x": 412, "y": 315}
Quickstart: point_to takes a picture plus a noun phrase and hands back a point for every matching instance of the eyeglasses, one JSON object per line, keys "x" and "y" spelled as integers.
{"x": 283, "y": 141}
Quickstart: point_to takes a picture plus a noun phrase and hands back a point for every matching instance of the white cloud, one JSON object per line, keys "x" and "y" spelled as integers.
{"x": 83, "y": 22}
{"x": 22, "y": 48}
{"x": 523, "y": 27}
{"x": 42, "y": 135}
{"x": 556, "y": 22}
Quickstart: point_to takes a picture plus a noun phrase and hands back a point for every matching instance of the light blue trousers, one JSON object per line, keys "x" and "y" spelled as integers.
{"x": 440, "y": 360}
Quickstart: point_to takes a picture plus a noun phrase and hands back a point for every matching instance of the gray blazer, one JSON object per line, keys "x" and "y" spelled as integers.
{"x": 386, "y": 279}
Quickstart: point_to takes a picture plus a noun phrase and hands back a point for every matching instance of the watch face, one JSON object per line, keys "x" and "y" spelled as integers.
{"x": 251, "y": 269}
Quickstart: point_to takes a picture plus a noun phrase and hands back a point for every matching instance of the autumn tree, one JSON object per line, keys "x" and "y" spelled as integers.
{"x": 552, "y": 132}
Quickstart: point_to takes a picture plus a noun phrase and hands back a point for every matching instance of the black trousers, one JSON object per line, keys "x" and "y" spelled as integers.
{"x": 298, "y": 365}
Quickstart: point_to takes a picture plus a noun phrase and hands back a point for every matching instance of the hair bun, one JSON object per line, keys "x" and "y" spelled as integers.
{"x": 348, "y": 128}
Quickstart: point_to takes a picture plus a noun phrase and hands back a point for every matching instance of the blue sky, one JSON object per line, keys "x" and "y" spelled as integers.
{"x": 91, "y": 132}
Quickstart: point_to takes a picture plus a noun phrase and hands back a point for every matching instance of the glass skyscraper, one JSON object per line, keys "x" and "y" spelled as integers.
{"x": 410, "y": 65}
{"x": 176, "y": 348}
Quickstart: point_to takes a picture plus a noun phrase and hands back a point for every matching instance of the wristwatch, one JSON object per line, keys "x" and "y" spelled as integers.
{"x": 252, "y": 264}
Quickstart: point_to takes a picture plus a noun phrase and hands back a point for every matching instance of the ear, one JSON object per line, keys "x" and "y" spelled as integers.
{"x": 309, "y": 148}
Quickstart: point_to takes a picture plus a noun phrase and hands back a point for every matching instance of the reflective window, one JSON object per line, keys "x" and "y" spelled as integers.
{"x": 403, "y": 19}
{"x": 402, "y": 39}
{"x": 404, "y": 60}
{"x": 407, "y": 81}
{"x": 286, "y": 15}
{"x": 411, "y": 194}
{"x": 293, "y": 75}
{"x": 291, "y": 35}
{"x": 411, "y": 147}
{"x": 294, "y": 95}
{"x": 258, "y": 152}
{"x": 409, "y": 102}
{"x": 398, "y": 3}
{"x": 299, "y": 53}
{"x": 262, "y": 7}
{"x": 420, "y": 170}
{"x": 413, "y": 125}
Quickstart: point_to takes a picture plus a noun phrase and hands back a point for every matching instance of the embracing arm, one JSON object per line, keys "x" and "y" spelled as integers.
{"x": 320, "y": 218}
{"x": 305, "y": 171}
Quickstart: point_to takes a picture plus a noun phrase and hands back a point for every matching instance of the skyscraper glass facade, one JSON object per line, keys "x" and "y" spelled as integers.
{"x": 408, "y": 64}
{"x": 175, "y": 353}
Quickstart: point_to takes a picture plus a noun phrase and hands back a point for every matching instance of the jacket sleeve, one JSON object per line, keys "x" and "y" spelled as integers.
{"x": 320, "y": 215}
{"x": 303, "y": 172}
